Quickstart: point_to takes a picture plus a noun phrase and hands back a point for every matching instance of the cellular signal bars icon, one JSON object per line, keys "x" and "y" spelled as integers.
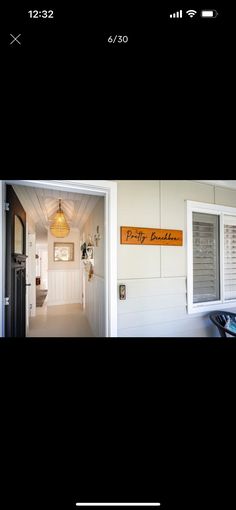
{"x": 178, "y": 14}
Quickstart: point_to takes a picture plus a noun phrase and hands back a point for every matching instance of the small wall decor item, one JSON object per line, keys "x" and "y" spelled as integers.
{"x": 151, "y": 236}
{"x": 90, "y": 252}
{"x": 63, "y": 252}
{"x": 97, "y": 236}
{"x": 87, "y": 252}
{"x": 84, "y": 251}
{"x": 90, "y": 240}
{"x": 90, "y": 272}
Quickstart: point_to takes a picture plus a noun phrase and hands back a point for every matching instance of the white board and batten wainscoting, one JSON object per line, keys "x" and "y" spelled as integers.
{"x": 64, "y": 287}
{"x": 94, "y": 295}
{"x": 95, "y": 305}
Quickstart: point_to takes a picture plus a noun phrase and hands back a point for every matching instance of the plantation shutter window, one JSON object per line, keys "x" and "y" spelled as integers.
{"x": 230, "y": 257}
{"x": 206, "y": 258}
{"x": 211, "y": 257}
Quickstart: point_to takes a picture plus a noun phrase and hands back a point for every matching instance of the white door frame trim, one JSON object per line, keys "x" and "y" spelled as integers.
{"x": 108, "y": 189}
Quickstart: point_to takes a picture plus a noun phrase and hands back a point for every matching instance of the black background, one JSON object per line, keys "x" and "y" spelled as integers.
{"x": 117, "y": 419}
{"x": 167, "y": 94}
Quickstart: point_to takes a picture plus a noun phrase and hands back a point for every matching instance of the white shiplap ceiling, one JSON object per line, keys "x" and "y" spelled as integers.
{"x": 41, "y": 205}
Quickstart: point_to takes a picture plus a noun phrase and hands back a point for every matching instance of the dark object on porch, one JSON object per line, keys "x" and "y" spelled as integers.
{"x": 38, "y": 280}
{"x": 40, "y": 297}
{"x": 220, "y": 319}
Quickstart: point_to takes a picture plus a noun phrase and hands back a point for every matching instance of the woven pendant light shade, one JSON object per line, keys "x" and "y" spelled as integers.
{"x": 59, "y": 226}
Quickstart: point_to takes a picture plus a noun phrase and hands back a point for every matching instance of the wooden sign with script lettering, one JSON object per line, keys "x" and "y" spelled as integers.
{"x": 149, "y": 236}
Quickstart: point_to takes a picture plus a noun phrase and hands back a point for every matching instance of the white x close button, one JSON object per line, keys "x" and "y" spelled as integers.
{"x": 15, "y": 39}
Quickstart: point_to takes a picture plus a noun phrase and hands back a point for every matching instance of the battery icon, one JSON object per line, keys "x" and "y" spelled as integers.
{"x": 209, "y": 14}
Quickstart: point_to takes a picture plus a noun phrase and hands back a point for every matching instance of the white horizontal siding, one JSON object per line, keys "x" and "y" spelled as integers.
{"x": 146, "y": 287}
{"x": 177, "y": 330}
{"x": 149, "y": 303}
{"x": 64, "y": 287}
{"x": 151, "y": 317}
{"x": 158, "y": 308}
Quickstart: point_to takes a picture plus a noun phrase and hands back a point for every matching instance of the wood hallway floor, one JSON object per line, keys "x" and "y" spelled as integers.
{"x": 60, "y": 321}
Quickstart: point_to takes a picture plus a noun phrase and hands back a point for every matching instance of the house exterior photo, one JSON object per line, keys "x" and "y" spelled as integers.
{"x": 166, "y": 288}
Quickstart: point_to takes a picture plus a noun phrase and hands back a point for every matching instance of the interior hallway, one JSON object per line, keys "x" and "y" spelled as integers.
{"x": 60, "y": 321}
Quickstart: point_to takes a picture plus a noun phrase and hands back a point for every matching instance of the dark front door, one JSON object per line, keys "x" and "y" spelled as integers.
{"x": 15, "y": 265}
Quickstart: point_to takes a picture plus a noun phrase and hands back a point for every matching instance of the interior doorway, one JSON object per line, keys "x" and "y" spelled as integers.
{"x": 94, "y": 297}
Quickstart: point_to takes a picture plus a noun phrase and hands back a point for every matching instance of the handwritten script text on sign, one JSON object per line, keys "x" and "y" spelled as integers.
{"x": 149, "y": 236}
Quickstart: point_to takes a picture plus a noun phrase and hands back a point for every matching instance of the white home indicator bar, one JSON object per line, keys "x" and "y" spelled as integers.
{"x": 119, "y": 504}
{"x": 209, "y": 14}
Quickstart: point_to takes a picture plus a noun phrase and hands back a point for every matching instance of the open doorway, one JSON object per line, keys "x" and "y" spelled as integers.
{"x": 67, "y": 279}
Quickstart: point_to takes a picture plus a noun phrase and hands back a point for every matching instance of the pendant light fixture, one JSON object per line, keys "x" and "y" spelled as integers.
{"x": 59, "y": 226}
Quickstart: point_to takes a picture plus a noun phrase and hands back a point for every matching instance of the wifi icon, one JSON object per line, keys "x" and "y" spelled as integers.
{"x": 191, "y": 13}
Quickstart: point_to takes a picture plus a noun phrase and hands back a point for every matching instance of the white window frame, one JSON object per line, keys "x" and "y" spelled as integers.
{"x": 221, "y": 211}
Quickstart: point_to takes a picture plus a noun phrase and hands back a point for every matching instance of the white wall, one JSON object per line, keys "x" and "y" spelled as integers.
{"x": 30, "y": 270}
{"x": 90, "y": 228}
{"x": 42, "y": 264}
{"x": 156, "y": 276}
{"x": 138, "y": 205}
{"x": 64, "y": 277}
{"x": 95, "y": 288}
{"x": 31, "y": 275}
